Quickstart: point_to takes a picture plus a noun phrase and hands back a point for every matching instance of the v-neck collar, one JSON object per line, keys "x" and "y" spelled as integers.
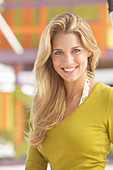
{"x": 85, "y": 92}
{"x": 82, "y": 104}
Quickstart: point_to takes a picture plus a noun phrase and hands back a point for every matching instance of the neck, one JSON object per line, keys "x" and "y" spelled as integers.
{"x": 75, "y": 88}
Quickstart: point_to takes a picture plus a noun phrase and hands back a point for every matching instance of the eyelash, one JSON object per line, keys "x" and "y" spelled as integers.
{"x": 60, "y": 52}
{"x": 76, "y": 50}
{"x": 57, "y": 53}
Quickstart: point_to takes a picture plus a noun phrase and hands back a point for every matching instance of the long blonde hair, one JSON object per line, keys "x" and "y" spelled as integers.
{"x": 49, "y": 101}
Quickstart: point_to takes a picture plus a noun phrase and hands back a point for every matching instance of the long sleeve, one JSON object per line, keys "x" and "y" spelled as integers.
{"x": 35, "y": 160}
{"x": 110, "y": 116}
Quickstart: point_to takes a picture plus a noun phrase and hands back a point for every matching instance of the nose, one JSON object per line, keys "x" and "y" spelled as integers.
{"x": 68, "y": 59}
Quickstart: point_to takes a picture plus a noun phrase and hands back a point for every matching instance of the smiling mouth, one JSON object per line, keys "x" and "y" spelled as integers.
{"x": 70, "y": 70}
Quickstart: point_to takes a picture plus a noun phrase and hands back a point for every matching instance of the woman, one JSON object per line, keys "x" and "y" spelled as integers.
{"x": 72, "y": 114}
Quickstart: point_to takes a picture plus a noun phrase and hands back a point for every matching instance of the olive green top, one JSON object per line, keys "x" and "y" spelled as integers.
{"x": 82, "y": 140}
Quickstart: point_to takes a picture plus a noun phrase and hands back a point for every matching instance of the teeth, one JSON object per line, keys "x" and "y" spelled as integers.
{"x": 71, "y": 69}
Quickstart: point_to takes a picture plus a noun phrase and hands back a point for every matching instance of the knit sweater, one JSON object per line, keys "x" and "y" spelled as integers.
{"x": 82, "y": 140}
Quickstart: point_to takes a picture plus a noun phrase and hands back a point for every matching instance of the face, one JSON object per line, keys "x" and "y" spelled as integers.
{"x": 69, "y": 56}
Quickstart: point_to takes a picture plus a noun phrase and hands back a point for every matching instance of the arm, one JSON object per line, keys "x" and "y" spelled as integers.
{"x": 110, "y": 116}
{"x": 35, "y": 160}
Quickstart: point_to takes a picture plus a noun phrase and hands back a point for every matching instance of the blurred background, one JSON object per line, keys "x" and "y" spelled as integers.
{"x": 27, "y": 20}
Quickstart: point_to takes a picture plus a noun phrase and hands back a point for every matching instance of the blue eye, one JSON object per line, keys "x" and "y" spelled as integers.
{"x": 76, "y": 50}
{"x": 58, "y": 53}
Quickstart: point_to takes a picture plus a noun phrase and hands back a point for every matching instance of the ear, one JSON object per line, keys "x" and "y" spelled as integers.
{"x": 89, "y": 53}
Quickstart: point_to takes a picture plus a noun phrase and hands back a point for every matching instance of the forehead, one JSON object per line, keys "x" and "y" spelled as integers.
{"x": 62, "y": 40}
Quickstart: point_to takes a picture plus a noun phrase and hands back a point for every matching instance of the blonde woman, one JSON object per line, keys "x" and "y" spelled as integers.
{"x": 72, "y": 114}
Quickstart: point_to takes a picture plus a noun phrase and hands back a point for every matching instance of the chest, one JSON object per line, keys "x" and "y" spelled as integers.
{"x": 71, "y": 105}
{"x": 82, "y": 132}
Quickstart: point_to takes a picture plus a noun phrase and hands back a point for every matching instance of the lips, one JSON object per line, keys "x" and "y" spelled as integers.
{"x": 70, "y": 69}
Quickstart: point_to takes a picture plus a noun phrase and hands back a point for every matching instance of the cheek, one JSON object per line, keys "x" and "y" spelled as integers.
{"x": 56, "y": 65}
{"x": 82, "y": 61}
{"x": 55, "y": 61}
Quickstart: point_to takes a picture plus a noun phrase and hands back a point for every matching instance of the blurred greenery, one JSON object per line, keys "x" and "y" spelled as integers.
{"x": 20, "y": 148}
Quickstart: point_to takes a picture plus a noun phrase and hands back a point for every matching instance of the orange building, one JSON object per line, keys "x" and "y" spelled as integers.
{"x": 28, "y": 19}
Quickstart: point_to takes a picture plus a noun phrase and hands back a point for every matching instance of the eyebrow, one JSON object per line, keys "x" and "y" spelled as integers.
{"x": 56, "y": 49}
{"x": 76, "y": 47}
{"x": 71, "y": 48}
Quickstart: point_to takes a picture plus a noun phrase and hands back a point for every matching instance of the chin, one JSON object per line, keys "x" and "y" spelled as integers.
{"x": 70, "y": 80}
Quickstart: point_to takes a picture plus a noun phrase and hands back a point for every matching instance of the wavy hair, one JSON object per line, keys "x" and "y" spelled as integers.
{"x": 49, "y": 101}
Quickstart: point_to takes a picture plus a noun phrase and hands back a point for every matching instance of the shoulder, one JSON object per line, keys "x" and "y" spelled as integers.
{"x": 109, "y": 115}
{"x": 101, "y": 92}
{"x": 103, "y": 88}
